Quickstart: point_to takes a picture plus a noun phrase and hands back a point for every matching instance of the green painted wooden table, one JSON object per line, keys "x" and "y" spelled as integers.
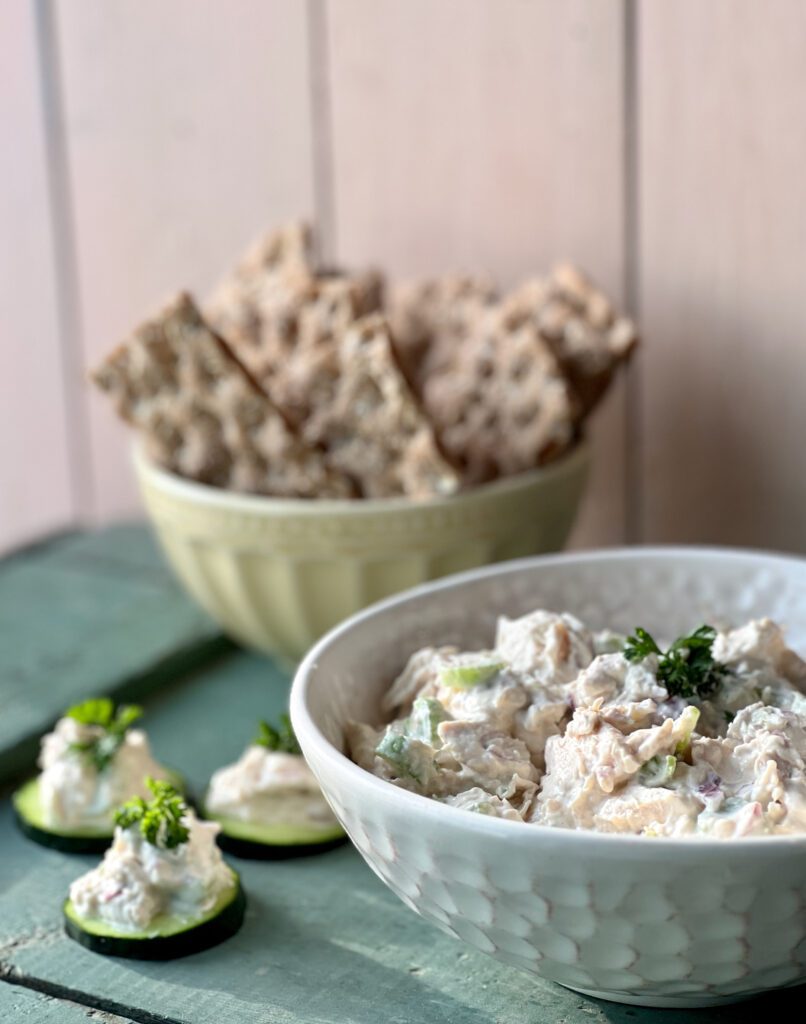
{"x": 324, "y": 941}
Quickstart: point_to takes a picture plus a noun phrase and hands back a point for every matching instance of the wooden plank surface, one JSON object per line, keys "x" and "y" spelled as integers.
{"x": 85, "y": 615}
{"x": 35, "y": 487}
{"x": 188, "y": 127}
{"x": 485, "y": 136}
{"x": 323, "y": 941}
{"x": 20, "y": 1005}
{"x": 722, "y": 88}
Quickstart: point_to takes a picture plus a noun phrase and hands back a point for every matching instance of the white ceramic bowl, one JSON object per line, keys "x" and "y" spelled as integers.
{"x": 658, "y": 922}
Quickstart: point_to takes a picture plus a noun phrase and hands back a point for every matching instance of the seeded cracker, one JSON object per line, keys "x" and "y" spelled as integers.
{"x": 305, "y": 379}
{"x": 203, "y": 417}
{"x": 371, "y": 424}
{"x": 431, "y": 318}
{"x": 579, "y": 322}
{"x": 502, "y": 405}
{"x": 255, "y": 308}
{"x": 275, "y": 303}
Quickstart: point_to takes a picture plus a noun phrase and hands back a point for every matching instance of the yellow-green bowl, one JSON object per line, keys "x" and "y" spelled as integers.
{"x": 277, "y": 573}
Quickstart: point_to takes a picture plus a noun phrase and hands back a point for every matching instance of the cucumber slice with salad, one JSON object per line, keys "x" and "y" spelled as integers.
{"x": 166, "y": 833}
{"x": 273, "y": 839}
{"x": 94, "y": 731}
{"x": 167, "y": 937}
{"x": 253, "y": 841}
{"x": 30, "y": 819}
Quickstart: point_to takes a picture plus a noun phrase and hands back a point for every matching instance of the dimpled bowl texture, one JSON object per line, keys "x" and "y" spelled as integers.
{"x": 277, "y": 573}
{"x": 658, "y": 922}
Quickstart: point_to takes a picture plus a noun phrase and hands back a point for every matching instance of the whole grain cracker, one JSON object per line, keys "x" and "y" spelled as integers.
{"x": 579, "y": 322}
{"x": 370, "y": 423}
{"x": 303, "y": 380}
{"x": 502, "y": 404}
{"x": 275, "y": 302}
{"x": 430, "y": 318}
{"x": 255, "y": 308}
{"x": 201, "y": 414}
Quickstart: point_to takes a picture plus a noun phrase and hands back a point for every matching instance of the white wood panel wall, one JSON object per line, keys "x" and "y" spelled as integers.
{"x": 498, "y": 147}
{"x": 36, "y": 492}
{"x": 188, "y": 131}
{"x": 661, "y": 145}
{"x": 722, "y": 270}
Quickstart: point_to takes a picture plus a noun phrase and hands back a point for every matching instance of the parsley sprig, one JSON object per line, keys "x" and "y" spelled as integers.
{"x": 115, "y": 722}
{"x": 281, "y": 739}
{"x": 160, "y": 819}
{"x": 687, "y": 668}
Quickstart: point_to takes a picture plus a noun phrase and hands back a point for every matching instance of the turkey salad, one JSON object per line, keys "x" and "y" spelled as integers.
{"x": 140, "y": 881}
{"x": 89, "y": 768}
{"x": 562, "y": 726}
{"x": 162, "y": 890}
{"x": 270, "y": 787}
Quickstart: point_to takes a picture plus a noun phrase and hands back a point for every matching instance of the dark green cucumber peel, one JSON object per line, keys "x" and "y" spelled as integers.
{"x": 28, "y": 816}
{"x": 62, "y": 843}
{"x": 273, "y": 842}
{"x": 217, "y": 926}
{"x": 249, "y": 849}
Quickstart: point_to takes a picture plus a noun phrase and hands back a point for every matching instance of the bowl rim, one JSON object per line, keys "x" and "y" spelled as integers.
{"x": 575, "y": 458}
{"x": 415, "y": 804}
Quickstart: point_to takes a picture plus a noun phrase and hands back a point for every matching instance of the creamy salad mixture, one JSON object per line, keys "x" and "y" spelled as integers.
{"x": 73, "y": 791}
{"x": 139, "y": 881}
{"x": 269, "y": 787}
{"x": 563, "y": 726}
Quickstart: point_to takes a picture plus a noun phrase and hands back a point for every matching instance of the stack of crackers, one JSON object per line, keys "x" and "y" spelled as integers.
{"x": 296, "y": 382}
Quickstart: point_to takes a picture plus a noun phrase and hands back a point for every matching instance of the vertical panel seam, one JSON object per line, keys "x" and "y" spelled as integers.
{"x": 322, "y": 155}
{"x": 76, "y": 413}
{"x": 633, "y": 454}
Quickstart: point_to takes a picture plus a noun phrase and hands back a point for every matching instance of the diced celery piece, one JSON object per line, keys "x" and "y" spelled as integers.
{"x": 426, "y": 714}
{"x": 608, "y": 642}
{"x": 392, "y": 748}
{"x": 688, "y": 720}
{"x": 467, "y": 670}
{"x": 481, "y": 808}
{"x": 658, "y": 771}
{"x": 408, "y": 756}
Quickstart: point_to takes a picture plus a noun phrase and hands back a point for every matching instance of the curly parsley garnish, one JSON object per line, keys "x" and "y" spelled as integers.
{"x": 281, "y": 739}
{"x": 687, "y": 668}
{"x": 115, "y": 722}
{"x": 160, "y": 819}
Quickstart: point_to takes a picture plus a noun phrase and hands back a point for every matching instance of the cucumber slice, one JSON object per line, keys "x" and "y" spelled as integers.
{"x": 31, "y": 822}
{"x": 274, "y": 842}
{"x": 168, "y": 937}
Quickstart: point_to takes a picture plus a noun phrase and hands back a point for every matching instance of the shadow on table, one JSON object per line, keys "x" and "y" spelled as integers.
{"x": 281, "y": 964}
{"x": 779, "y": 1005}
{"x": 309, "y": 978}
